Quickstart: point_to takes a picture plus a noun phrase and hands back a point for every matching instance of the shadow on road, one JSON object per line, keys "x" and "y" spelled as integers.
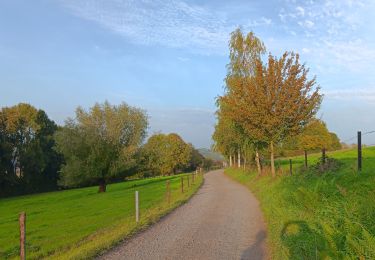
{"x": 256, "y": 250}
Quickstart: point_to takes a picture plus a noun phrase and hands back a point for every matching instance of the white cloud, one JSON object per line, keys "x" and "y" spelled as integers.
{"x": 367, "y": 94}
{"x": 172, "y": 23}
{"x": 300, "y": 11}
{"x": 334, "y": 32}
{"x": 183, "y": 59}
{"x": 305, "y": 50}
{"x": 355, "y": 55}
{"x": 266, "y": 21}
{"x": 309, "y": 24}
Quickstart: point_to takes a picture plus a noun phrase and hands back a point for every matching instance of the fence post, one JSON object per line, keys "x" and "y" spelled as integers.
{"x": 188, "y": 181}
{"x": 22, "y": 220}
{"x": 192, "y": 177}
{"x": 182, "y": 184}
{"x": 168, "y": 192}
{"x": 359, "y": 151}
{"x": 290, "y": 167}
{"x": 324, "y": 155}
{"x": 305, "y": 159}
{"x": 136, "y": 207}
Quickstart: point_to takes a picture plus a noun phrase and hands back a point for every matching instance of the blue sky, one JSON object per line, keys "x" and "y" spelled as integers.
{"x": 169, "y": 56}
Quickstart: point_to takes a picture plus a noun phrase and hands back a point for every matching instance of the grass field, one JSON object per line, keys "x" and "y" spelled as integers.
{"x": 311, "y": 216}
{"x": 81, "y": 223}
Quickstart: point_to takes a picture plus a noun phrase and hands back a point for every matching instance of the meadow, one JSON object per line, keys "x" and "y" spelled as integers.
{"x": 312, "y": 215}
{"x": 82, "y": 223}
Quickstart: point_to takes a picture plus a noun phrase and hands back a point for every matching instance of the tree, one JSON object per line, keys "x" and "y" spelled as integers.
{"x": 274, "y": 103}
{"x": 197, "y": 159}
{"x": 315, "y": 136}
{"x": 225, "y": 137}
{"x": 245, "y": 50}
{"x": 100, "y": 144}
{"x": 335, "y": 142}
{"x": 166, "y": 154}
{"x": 6, "y": 172}
{"x": 28, "y": 161}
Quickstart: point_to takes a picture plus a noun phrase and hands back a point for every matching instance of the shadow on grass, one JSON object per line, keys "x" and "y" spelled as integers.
{"x": 303, "y": 242}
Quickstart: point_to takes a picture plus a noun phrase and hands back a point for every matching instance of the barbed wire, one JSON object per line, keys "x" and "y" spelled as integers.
{"x": 363, "y": 134}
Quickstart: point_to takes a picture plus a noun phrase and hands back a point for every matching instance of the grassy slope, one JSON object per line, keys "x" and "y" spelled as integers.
{"x": 81, "y": 223}
{"x": 319, "y": 217}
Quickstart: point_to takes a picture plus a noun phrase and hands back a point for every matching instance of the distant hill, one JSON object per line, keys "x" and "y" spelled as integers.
{"x": 210, "y": 154}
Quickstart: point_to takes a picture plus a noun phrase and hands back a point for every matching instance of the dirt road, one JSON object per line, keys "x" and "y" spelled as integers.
{"x": 222, "y": 221}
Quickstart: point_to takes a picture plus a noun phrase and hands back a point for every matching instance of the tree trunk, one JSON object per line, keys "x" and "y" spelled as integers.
{"x": 230, "y": 160}
{"x": 272, "y": 161}
{"x": 239, "y": 159}
{"x": 102, "y": 186}
{"x": 257, "y": 159}
{"x": 244, "y": 162}
{"x": 305, "y": 159}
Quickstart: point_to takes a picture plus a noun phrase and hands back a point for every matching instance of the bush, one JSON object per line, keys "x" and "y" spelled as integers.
{"x": 329, "y": 165}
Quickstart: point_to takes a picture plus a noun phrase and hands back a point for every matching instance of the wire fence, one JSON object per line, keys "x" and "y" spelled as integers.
{"x": 363, "y": 134}
{"x": 176, "y": 188}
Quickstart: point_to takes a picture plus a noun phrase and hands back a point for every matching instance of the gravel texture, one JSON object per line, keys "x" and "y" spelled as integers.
{"x": 222, "y": 221}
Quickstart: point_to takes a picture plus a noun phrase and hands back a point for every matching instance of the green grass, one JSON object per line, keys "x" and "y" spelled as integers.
{"x": 80, "y": 223}
{"x": 310, "y": 216}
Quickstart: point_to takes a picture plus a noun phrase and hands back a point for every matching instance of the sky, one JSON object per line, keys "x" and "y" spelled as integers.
{"x": 169, "y": 56}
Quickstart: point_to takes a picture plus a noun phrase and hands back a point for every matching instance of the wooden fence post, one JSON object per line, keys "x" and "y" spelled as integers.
{"x": 359, "y": 150}
{"x": 136, "y": 207}
{"x": 192, "y": 177}
{"x": 290, "y": 167}
{"x": 324, "y": 155}
{"x": 188, "y": 180}
{"x": 305, "y": 159}
{"x": 22, "y": 220}
{"x": 182, "y": 184}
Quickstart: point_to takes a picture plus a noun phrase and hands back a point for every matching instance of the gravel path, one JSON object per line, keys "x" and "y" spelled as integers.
{"x": 222, "y": 221}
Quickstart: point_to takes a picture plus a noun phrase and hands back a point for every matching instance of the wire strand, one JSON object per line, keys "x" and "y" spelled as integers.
{"x": 366, "y": 133}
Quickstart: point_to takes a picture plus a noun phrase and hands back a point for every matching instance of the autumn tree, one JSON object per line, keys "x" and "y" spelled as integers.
{"x": 316, "y": 136}
{"x": 225, "y": 137}
{"x": 245, "y": 50}
{"x": 166, "y": 154}
{"x": 335, "y": 142}
{"x": 273, "y": 101}
{"x": 100, "y": 144}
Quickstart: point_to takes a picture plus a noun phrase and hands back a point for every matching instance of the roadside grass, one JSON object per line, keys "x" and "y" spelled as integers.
{"x": 81, "y": 223}
{"x": 326, "y": 216}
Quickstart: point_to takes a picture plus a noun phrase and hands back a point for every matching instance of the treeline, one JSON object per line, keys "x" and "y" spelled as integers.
{"x": 98, "y": 146}
{"x": 268, "y": 107}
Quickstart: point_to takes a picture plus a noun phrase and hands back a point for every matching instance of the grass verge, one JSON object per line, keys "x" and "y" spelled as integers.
{"x": 81, "y": 223}
{"x": 325, "y": 216}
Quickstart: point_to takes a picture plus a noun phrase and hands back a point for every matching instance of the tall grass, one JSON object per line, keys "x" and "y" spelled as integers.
{"x": 325, "y": 216}
{"x": 80, "y": 223}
